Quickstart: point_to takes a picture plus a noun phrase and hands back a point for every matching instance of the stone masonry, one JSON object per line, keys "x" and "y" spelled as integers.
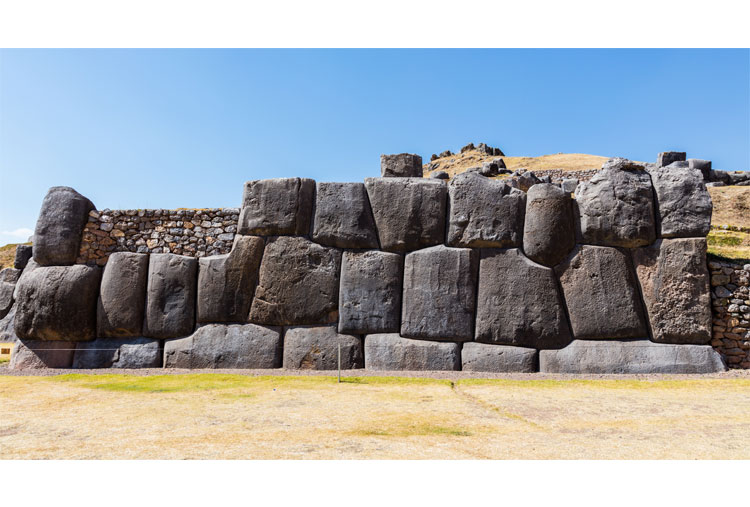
{"x": 730, "y": 295}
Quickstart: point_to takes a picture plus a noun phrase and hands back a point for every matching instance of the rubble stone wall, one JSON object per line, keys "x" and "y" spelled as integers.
{"x": 730, "y": 296}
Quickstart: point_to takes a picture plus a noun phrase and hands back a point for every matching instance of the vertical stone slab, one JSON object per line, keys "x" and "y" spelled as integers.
{"x": 122, "y": 297}
{"x": 402, "y": 165}
{"x": 549, "y": 231}
{"x": 23, "y": 254}
{"x": 316, "y": 348}
{"x": 277, "y": 206}
{"x": 62, "y": 217}
{"x": 683, "y": 204}
{"x": 170, "y": 296}
{"x": 343, "y": 217}
{"x": 391, "y": 352}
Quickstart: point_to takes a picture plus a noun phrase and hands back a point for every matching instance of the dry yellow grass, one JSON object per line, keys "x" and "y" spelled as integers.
{"x": 233, "y": 416}
{"x": 731, "y": 206}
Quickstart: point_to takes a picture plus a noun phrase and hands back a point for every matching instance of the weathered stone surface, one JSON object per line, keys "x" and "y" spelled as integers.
{"x": 299, "y": 283}
{"x": 409, "y": 212}
{"x": 549, "y": 230}
{"x": 616, "y": 207}
{"x": 316, "y": 348}
{"x": 440, "y": 175}
{"x": 630, "y": 356}
{"x": 226, "y": 283}
{"x": 118, "y": 353}
{"x": 674, "y": 281}
{"x": 33, "y": 354}
{"x": 439, "y": 291}
{"x": 518, "y": 302}
{"x": 601, "y": 294}
{"x": 10, "y": 275}
{"x": 683, "y": 205}
{"x": 343, "y": 217}
{"x": 170, "y": 296}
{"x": 370, "y": 292}
{"x": 6, "y": 297}
{"x": 58, "y": 230}
{"x": 23, "y": 254}
{"x": 497, "y": 358}
{"x": 226, "y": 346}
{"x": 122, "y": 297}
{"x": 57, "y": 303}
{"x": 484, "y": 212}
{"x": 667, "y": 157}
{"x": 704, "y": 166}
{"x": 277, "y": 206}
{"x": 569, "y": 185}
{"x": 403, "y": 165}
{"x": 390, "y": 352}
{"x": 7, "y": 327}
{"x": 31, "y": 266}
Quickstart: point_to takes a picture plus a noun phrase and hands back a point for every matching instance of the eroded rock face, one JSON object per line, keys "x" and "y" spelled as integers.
{"x": 316, "y": 348}
{"x": 484, "y": 213}
{"x": 23, "y": 254}
{"x": 518, "y": 302}
{"x": 62, "y": 217}
{"x": 601, "y": 294}
{"x": 439, "y": 291}
{"x": 118, "y": 353}
{"x": 683, "y": 204}
{"x": 616, "y": 207}
{"x": 170, "y": 296}
{"x": 6, "y": 297}
{"x": 298, "y": 285}
{"x": 390, "y": 352}
{"x": 277, "y": 206}
{"x": 343, "y": 217}
{"x": 7, "y": 327}
{"x": 402, "y": 165}
{"x": 549, "y": 232}
{"x": 674, "y": 281}
{"x": 497, "y": 358}
{"x": 34, "y": 354}
{"x": 409, "y": 212}
{"x": 122, "y": 297}
{"x": 10, "y": 275}
{"x": 666, "y": 158}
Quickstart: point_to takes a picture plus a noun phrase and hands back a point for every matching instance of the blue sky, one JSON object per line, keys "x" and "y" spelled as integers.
{"x": 185, "y": 128}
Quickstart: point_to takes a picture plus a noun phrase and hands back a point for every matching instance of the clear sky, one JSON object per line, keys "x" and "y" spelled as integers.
{"x": 185, "y": 128}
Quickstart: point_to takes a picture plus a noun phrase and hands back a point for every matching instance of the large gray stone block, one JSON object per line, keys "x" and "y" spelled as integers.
{"x": 518, "y": 302}
{"x": 118, "y": 353}
{"x": 484, "y": 212}
{"x": 616, "y": 206}
{"x": 402, "y": 165}
{"x": 298, "y": 285}
{"x": 704, "y": 166}
{"x": 7, "y": 327}
{"x": 10, "y": 275}
{"x": 391, "y": 352}
{"x": 57, "y": 236}
{"x": 34, "y": 354}
{"x": 370, "y": 292}
{"x": 497, "y": 358}
{"x": 409, "y": 212}
{"x": 683, "y": 204}
{"x": 674, "y": 281}
{"x": 6, "y": 297}
{"x": 226, "y": 283}
{"x": 667, "y": 157}
{"x": 23, "y": 254}
{"x": 170, "y": 296}
{"x": 226, "y": 346}
{"x": 631, "y": 357}
{"x": 343, "y": 217}
{"x": 122, "y": 297}
{"x": 439, "y": 294}
{"x": 316, "y": 348}
{"x": 57, "y": 303}
{"x": 549, "y": 231}
{"x": 601, "y": 294}
{"x": 277, "y": 206}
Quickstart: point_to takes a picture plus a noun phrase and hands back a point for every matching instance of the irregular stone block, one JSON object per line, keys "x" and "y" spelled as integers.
{"x": 170, "y": 296}
{"x": 34, "y": 354}
{"x": 343, "y": 217}
{"x": 226, "y": 346}
{"x": 6, "y": 297}
{"x": 667, "y": 157}
{"x": 631, "y": 357}
{"x": 616, "y": 206}
{"x": 370, "y": 292}
{"x": 316, "y": 348}
{"x": 518, "y": 302}
{"x": 390, "y": 352}
{"x": 7, "y": 327}
{"x": 704, "y": 166}
{"x": 299, "y": 283}
{"x": 439, "y": 292}
{"x": 118, "y": 353}
{"x": 119, "y": 311}
{"x": 601, "y": 294}
{"x": 10, "y": 275}
{"x": 497, "y": 358}
{"x": 403, "y": 165}
{"x": 226, "y": 283}
{"x": 674, "y": 281}
{"x": 57, "y": 303}
{"x": 484, "y": 212}
{"x": 549, "y": 231}
{"x": 57, "y": 236}
{"x": 409, "y": 212}
{"x": 569, "y": 185}
{"x": 277, "y": 206}
{"x": 683, "y": 204}
{"x": 440, "y": 175}
{"x": 23, "y": 254}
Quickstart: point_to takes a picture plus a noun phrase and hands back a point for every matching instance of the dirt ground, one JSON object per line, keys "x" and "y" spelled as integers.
{"x": 246, "y": 416}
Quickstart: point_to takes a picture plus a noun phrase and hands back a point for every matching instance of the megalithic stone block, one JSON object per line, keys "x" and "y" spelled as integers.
{"x": 484, "y": 212}
{"x": 7, "y": 327}
{"x": 316, "y": 348}
{"x": 370, "y": 292}
{"x": 518, "y": 302}
{"x": 439, "y": 294}
{"x": 674, "y": 281}
{"x": 6, "y": 297}
{"x": 704, "y": 166}
{"x": 226, "y": 283}
{"x": 343, "y": 217}
{"x": 277, "y": 206}
{"x": 57, "y": 236}
{"x": 391, "y": 352}
{"x": 118, "y": 353}
{"x": 170, "y": 296}
{"x": 34, "y": 354}
{"x": 57, "y": 303}
{"x": 665, "y": 158}
{"x": 498, "y": 358}
{"x": 549, "y": 231}
{"x": 402, "y": 165}
{"x": 601, "y": 294}
{"x": 683, "y": 204}
{"x": 122, "y": 297}
{"x": 10, "y": 275}
{"x": 23, "y": 254}
{"x": 409, "y": 212}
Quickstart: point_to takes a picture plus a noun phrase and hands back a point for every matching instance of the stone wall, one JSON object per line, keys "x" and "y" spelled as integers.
{"x": 731, "y": 312}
